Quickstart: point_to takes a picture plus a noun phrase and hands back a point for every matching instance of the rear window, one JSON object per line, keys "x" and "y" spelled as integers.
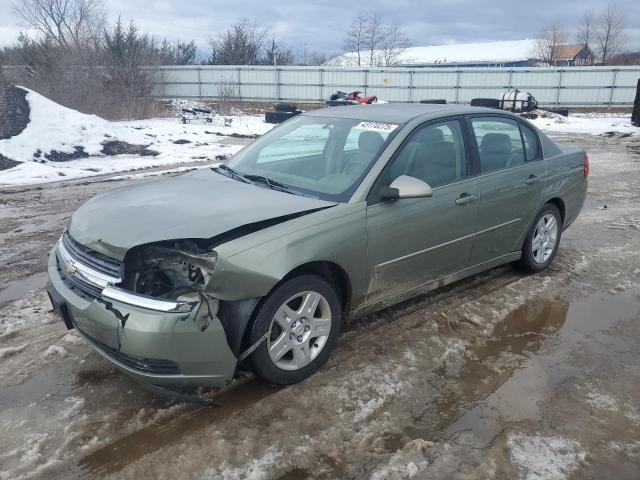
{"x": 499, "y": 143}
{"x": 531, "y": 145}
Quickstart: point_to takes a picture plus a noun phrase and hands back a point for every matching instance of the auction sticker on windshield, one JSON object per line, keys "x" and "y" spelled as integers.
{"x": 377, "y": 126}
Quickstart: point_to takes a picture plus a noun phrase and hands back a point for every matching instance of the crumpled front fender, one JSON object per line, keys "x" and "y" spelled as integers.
{"x": 251, "y": 266}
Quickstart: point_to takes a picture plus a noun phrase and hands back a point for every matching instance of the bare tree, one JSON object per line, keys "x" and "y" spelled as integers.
{"x": 609, "y": 33}
{"x": 66, "y": 22}
{"x": 242, "y": 44}
{"x": 369, "y": 42}
{"x": 374, "y": 36}
{"x": 277, "y": 53}
{"x": 316, "y": 58}
{"x": 394, "y": 44}
{"x": 245, "y": 43}
{"x": 547, "y": 45}
{"x": 626, "y": 58}
{"x": 354, "y": 41}
{"x": 587, "y": 28}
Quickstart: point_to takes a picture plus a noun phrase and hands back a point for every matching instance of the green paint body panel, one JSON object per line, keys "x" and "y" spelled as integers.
{"x": 202, "y": 204}
{"x": 203, "y": 358}
{"x": 389, "y": 251}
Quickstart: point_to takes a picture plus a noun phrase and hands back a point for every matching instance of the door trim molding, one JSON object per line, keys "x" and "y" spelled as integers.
{"x": 430, "y": 285}
{"x": 450, "y": 242}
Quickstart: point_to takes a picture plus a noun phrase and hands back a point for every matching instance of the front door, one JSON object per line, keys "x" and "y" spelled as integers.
{"x": 414, "y": 241}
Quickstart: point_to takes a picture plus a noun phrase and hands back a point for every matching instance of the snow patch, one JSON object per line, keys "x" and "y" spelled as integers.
{"x": 408, "y": 462}
{"x": 602, "y": 401}
{"x": 545, "y": 458}
{"x": 255, "y": 469}
{"x": 590, "y": 124}
{"x": 55, "y": 350}
{"x": 9, "y": 351}
{"x": 53, "y": 127}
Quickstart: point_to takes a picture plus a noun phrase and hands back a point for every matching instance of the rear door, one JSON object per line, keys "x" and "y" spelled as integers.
{"x": 511, "y": 178}
{"x": 413, "y": 241}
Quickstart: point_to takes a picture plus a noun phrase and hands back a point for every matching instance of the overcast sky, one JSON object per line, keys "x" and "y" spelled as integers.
{"x": 321, "y": 24}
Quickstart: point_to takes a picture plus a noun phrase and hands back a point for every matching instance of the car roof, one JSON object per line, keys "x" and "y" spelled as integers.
{"x": 397, "y": 112}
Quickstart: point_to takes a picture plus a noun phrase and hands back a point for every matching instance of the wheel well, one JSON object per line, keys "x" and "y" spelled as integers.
{"x": 331, "y": 272}
{"x": 560, "y": 205}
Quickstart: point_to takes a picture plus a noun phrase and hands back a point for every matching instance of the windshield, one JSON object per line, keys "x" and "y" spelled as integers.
{"x": 322, "y": 157}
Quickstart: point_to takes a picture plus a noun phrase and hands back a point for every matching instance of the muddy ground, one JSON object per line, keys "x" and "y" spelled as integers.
{"x": 500, "y": 376}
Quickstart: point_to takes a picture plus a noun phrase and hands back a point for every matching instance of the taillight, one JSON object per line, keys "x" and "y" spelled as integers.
{"x": 585, "y": 164}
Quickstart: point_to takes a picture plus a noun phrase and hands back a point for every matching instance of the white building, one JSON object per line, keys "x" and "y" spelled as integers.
{"x": 512, "y": 53}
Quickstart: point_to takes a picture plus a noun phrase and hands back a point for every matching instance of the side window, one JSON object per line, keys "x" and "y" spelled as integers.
{"x": 499, "y": 143}
{"x": 531, "y": 145}
{"x": 435, "y": 154}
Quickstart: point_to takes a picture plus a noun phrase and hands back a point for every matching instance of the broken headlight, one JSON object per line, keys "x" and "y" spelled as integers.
{"x": 170, "y": 270}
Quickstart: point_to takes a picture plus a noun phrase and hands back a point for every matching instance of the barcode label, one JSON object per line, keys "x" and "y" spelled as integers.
{"x": 377, "y": 126}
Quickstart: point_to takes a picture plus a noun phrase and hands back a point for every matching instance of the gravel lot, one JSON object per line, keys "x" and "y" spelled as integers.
{"x": 500, "y": 376}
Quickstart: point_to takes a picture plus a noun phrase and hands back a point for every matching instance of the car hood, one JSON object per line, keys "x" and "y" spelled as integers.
{"x": 202, "y": 204}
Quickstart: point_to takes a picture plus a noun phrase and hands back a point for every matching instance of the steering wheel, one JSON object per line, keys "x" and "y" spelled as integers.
{"x": 354, "y": 168}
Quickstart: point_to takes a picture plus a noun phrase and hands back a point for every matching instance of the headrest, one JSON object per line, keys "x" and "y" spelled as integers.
{"x": 370, "y": 141}
{"x": 496, "y": 143}
{"x": 430, "y": 136}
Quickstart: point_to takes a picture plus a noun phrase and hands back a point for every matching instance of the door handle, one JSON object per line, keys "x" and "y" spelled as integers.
{"x": 465, "y": 198}
{"x": 532, "y": 180}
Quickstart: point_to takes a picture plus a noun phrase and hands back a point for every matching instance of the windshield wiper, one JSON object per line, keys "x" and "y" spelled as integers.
{"x": 232, "y": 173}
{"x": 273, "y": 184}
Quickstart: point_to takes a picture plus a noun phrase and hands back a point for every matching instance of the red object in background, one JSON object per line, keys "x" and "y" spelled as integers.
{"x": 585, "y": 164}
{"x": 355, "y": 97}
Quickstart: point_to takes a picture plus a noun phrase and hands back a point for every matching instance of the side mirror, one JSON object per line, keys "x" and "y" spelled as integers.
{"x": 406, "y": 187}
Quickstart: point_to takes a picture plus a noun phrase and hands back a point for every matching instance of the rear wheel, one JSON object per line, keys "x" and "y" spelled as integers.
{"x": 541, "y": 245}
{"x": 302, "y": 319}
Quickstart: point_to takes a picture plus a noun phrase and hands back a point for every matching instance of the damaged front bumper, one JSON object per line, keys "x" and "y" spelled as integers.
{"x": 155, "y": 341}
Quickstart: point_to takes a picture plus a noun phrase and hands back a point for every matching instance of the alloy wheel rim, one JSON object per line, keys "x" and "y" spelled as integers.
{"x": 299, "y": 330}
{"x": 544, "y": 238}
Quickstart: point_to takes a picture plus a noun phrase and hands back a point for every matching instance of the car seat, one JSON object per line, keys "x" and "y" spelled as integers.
{"x": 495, "y": 151}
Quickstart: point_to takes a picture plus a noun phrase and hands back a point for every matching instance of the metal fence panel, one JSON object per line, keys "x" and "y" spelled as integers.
{"x": 552, "y": 86}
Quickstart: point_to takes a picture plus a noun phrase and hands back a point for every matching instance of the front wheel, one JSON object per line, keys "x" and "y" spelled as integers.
{"x": 302, "y": 319}
{"x": 541, "y": 245}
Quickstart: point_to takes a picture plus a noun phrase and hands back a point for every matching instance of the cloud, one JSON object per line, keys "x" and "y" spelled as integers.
{"x": 321, "y": 24}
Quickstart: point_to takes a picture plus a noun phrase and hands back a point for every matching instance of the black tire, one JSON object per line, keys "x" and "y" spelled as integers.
{"x": 485, "y": 102}
{"x": 438, "y": 101}
{"x": 285, "y": 107}
{"x": 279, "y": 117}
{"x": 261, "y": 362}
{"x": 337, "y": 103}
{"x": 528, "y": 263}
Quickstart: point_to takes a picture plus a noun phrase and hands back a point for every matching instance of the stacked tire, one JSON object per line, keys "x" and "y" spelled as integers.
{"x": 485, "y": 102}
{"x": 281, "y": 112}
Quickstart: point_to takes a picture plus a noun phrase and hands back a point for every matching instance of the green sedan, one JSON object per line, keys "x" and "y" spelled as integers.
{"x": 335, "y": 213}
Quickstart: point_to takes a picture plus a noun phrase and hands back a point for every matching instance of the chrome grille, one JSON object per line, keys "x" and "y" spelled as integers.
{"x": 84, "y": 269}
{"x": 75, "y": 282}
{"x": 91, "y": 258}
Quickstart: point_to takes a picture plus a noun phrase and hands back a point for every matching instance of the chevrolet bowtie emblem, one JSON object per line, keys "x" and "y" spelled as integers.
{"x": 70, "y": 267}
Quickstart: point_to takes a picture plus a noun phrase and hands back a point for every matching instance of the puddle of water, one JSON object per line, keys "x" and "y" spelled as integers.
{"x": 295, "y": 474}
{"x": 504, "y": 379}
{"x": 17, "y": 289}
{"x": 523, "y": 330}
{"x": 508, "y": 378}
